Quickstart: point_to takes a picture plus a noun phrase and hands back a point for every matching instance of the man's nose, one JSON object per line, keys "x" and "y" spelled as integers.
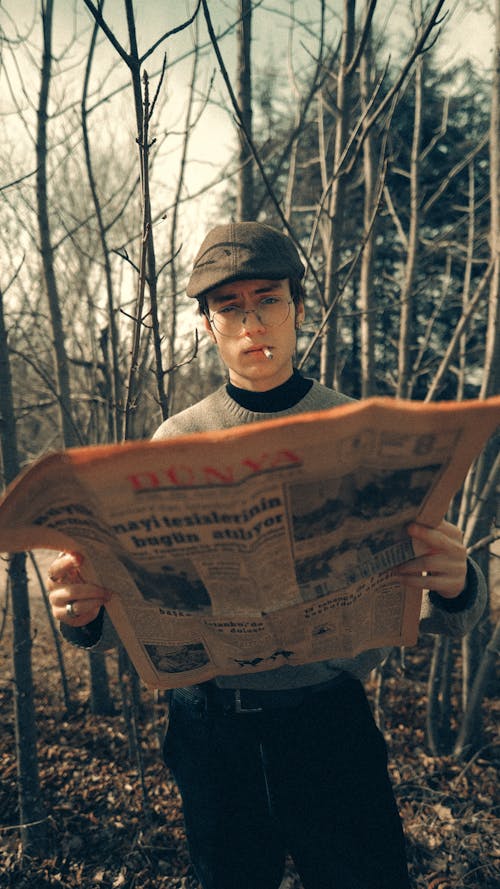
{"x": 251, "y": 320}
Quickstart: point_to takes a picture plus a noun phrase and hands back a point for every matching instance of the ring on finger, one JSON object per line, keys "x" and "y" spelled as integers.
{"x": 70, "y": 609}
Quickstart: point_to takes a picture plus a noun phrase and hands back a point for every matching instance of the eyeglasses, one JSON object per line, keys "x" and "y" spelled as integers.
{"x": 270, "y": 312}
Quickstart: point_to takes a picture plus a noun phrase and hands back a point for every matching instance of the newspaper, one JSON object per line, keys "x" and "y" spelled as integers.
{"x": 245, "y": 549}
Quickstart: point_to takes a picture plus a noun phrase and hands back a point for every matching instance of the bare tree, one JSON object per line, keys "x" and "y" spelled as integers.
{"x": 491, "y": 378}
{"x": 33, "y": 821}
{"x": 477, "y": 652}
{"x": 144, "y": 109}
{"x": 370, "y": 179}
{"x": 407, "y": 310}
{"x": 70, "y": 433}
{"x": 172, "y": 314}
{"x": 334, "y": 186}
{"x": 115, "y": 411}
{"x": 245, "y": 193}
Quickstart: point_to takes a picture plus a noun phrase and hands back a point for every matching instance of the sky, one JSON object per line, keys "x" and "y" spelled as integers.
{"x": 468, "y": 31}
{"x": 473, "y": 35}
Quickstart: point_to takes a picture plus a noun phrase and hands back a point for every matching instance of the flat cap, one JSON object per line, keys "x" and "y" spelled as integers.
{"x": 243, "y": 250}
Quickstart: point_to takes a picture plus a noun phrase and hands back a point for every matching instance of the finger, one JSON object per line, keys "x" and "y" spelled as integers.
{"x": 450, "y": 530}
{"x": 439, "y": 573}
{"x": 78, "y": 615}
{"x": 433, "y": 563}
{"x": 444, "y": 537}
{"x": 447, "y": 586}
{"x": 414, "y": 582}
{"x": 76, "y": 592}
{"x": 85, "y": 600}
{"x": 64, "y": 569}
{"x": 64, "y": 560}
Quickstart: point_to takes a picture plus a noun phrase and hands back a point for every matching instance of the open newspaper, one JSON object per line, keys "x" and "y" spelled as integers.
{"x": 245, "y": 549}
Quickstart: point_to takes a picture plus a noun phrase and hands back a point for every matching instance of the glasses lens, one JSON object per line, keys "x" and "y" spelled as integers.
{"x": 274, "y": 311}
{"x": 271, "y": 312}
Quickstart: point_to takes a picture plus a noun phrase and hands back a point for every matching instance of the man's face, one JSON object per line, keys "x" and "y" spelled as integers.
{"x": 244, "y": 352}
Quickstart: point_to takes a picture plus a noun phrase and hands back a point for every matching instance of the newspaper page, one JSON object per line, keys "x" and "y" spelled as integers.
{"x": 242, "y": 550}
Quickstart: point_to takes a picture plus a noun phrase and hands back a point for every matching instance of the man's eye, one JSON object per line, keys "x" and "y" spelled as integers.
{"x": 228, "y": 310}
{"x": 269, "y": 301}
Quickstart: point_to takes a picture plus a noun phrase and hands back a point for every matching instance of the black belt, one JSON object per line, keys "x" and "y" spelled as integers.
{"x": 210, "y": 698}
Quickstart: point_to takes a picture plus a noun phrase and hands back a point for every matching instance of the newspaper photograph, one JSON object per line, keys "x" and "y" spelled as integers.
{"x": 248, "y": 548}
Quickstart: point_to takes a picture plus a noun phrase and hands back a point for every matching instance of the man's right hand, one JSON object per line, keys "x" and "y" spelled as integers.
{"x": 73, "y": 601}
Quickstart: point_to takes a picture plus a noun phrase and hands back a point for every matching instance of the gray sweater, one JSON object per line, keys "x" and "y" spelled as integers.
{"x": 453, "y": 617}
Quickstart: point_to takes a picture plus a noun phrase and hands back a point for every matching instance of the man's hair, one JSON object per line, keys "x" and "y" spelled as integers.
{"x": 296, "y": 290}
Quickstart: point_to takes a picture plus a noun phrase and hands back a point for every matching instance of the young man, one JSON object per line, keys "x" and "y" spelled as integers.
{"x": 287, "y": 760}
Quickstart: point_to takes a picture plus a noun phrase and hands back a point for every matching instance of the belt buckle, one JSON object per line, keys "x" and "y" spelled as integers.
{"x": 238, "y": 706}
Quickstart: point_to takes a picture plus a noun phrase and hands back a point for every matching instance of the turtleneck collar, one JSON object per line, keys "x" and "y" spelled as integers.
{"x": 280, "y": 398}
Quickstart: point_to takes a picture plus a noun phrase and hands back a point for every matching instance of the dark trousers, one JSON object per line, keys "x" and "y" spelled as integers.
{"x": 309, "y": 779}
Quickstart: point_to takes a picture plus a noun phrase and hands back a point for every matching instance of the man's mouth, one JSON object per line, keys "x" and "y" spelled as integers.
{"x": 264, "y": 349}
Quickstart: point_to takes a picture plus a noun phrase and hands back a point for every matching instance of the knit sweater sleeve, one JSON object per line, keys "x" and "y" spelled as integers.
{"x": 99, "y": 635}
{"x": 455, "y": 617}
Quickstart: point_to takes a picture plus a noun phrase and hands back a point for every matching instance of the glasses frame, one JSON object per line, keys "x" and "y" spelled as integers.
{"x": 244, "y": 313}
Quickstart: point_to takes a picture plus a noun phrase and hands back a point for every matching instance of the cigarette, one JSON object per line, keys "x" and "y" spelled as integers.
{"x": 268, "y": 353}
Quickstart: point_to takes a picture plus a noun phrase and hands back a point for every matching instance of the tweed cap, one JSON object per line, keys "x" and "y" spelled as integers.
{"x": 243, "y": 250}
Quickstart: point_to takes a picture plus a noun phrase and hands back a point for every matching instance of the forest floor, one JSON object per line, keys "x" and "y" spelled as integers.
{"x": 107, "y": 829}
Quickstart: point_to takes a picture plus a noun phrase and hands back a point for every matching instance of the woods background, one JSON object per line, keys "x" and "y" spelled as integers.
{"x": 126, "y": 132}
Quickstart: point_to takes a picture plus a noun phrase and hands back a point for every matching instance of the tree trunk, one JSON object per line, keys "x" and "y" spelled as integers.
{"x": 69, "y": 431}
{"x": 31, "y": 809}
{"x": 476, "y": 665}
{"x": 407, "y": 313}
{"x": 367, "y": 335}
{"x": 115, "y": 420}
{"x": 32, "y": 816}
{"x": 171, "y": 314}
{"x": 332, "y": 228}
{"x": 491, "y": 377}
{"x": 466, "y": 289}
{"x": 70, "y": 435}
{"x": 467, "y": 738}
{"x": 101, "y": 702}
{"x": 245, "y": 195}
{"x": 55, "y": 635}
{"x": 438, "y": 706}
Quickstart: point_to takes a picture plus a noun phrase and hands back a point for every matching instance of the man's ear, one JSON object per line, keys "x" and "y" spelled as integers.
{"x": 208, "y": 328}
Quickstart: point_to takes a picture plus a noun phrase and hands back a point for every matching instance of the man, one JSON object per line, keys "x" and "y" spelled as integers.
{"x": 287, "y": 760}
